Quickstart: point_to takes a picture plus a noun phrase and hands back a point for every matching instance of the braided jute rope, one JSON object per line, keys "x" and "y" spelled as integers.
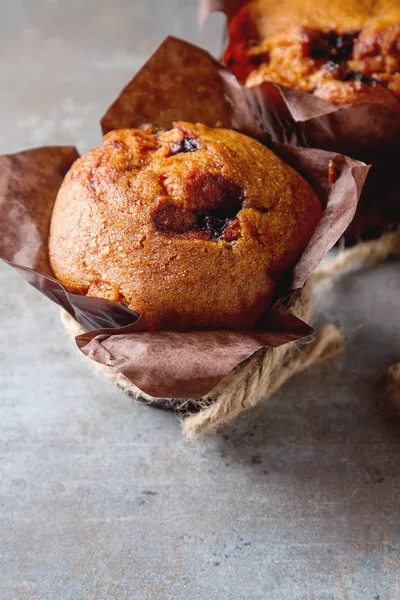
{"x": 361, "y": 256}
{"x": 364, "y": 255}
{"x": 257, "y": 378}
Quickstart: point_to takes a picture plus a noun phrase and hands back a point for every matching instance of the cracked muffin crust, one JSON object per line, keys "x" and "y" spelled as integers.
{"x": 190, "y": 227}
{"x": 342, "y": 51}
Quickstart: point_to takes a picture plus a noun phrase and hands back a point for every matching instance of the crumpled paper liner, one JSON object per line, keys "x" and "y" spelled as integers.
{"x": 169, "y": 364}
{"x": 367, "y": 131}
{"x": 251, "y": 382}
{"x": 29, "y": 182}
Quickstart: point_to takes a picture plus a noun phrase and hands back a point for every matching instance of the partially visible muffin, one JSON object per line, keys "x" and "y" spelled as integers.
{"x": 342, "y": 51}
{"x": 190, "y": 227}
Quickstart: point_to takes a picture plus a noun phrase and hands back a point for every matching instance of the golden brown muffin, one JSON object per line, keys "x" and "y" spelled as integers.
{"x": 189, "y": 227}
{"x": 342, "y": 51}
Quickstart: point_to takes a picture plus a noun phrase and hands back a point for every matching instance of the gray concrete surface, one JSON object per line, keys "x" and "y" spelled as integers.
{"x": 104, "y": 499}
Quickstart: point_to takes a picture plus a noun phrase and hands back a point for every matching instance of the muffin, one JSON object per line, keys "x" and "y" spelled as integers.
{"x": 192, "y": 227}
{"x": 342, "y": 51}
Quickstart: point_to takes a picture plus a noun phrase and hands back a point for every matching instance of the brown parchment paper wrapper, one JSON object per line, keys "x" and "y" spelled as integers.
{"x": 367, "y": 131}
{"x": 180, "y": 81}
{"x": 29, "y": 182}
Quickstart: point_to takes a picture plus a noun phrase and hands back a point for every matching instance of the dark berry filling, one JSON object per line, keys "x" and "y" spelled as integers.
{"x": 218, "y": 199}
{"x": 344, "y": 74}
{"x": 214, "y": 203}
{"x": 215, "y": 222}
{"x": 255, "y": 60}
{"x": 361, "y": 77}
{"x": 330, "y": 46}
{"x": 337, "y": 49}
{"x": 184, "y": 145}
{"x": 213, "y": 226}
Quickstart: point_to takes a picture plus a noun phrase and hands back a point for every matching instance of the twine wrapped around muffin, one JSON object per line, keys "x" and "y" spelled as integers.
{"x": 366, "y": 128}
{"x": 211, "y": 374}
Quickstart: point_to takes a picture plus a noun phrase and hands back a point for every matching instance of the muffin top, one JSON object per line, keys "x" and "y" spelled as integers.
{"x": 190, "y": 227}
{"x": 342, "y": 51}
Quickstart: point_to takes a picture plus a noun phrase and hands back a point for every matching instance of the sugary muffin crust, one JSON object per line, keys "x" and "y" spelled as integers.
{"x": 189, "y": 227}
{"x": 342, "y": 51}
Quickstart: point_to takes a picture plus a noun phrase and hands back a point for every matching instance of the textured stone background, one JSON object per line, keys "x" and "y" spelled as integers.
{"x": 104, "y": 499}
